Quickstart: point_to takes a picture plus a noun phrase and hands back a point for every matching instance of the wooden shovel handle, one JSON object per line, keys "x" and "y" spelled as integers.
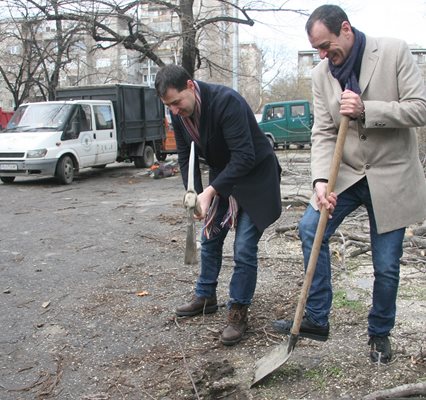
{"x": 319, "y": 234}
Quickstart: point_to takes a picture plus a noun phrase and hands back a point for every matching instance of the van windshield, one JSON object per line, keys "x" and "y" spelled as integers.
{"x": 38, "y": 117}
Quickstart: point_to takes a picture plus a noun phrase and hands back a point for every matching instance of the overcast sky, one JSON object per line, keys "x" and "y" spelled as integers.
{"x": 285, "y": 32}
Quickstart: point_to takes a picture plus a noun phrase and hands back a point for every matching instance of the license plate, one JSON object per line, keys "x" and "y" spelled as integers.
{"x": 8, "y": 167}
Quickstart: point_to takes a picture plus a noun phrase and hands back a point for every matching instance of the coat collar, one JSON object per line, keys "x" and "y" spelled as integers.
{"x": 369, "y": 62}
{"x": 205, "y": 105}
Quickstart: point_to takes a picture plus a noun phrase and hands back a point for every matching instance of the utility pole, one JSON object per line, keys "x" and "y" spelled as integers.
{"x": 235, "y": 51}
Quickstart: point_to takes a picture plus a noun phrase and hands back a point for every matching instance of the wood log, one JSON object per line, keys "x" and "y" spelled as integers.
{"x": 409, "y": 389}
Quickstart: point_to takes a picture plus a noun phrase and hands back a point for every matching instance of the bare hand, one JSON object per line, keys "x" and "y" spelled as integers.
{"x": 322, "y": 200}
{"x": 204, "y": 200}
{"x": 351, "y": 104}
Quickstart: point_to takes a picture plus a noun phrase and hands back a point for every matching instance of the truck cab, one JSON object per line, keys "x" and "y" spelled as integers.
{"x": 57, "y": 139}
{"x": 287, "y": 122}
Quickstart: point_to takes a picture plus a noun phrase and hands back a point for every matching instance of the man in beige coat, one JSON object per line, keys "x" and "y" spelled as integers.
{"x": 376, "y": 83}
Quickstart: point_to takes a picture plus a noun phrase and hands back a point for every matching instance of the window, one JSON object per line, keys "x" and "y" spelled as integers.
{"x": 103, "y": 62}
{"x": 298, "y": 111}
{"x": 103, "y": 117}
{"x": 14, "y": 50}
{"x": 275, "y": 113}
{"x": 86, "y": 118}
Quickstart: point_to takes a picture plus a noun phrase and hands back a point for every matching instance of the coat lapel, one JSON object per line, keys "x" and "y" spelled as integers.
{"x": 369, "y": 62}
{"x": 205, "y": 101}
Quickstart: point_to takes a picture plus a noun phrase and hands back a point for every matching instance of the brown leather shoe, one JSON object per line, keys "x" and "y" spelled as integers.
{"x": 237, "y": 325}
{"x": 197, "y": 305}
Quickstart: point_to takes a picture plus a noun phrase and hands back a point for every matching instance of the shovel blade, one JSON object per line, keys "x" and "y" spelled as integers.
{"x": 191, "y": 241}
{"x": 274, "y": 359}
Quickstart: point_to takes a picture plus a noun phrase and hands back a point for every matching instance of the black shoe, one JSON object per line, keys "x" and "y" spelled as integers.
{"x": 307, "y": 329}
{"x": 380, "y": 351}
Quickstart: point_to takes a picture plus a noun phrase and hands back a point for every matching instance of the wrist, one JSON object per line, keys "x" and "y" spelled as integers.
{"x": 362, "y": 115}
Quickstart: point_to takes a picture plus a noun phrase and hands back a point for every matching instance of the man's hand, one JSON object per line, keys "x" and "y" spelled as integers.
{"x": 203, "y": 202}
{"x": 351, "y": 104}
{"x": 322, "y": 201}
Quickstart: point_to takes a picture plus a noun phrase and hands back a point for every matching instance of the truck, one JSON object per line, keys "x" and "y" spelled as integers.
{"x": 88, "y": 126}
{"x": 5, "y": 117}
{"x": 287, "y": 122}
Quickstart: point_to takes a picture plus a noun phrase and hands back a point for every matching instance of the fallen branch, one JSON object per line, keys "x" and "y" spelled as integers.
{"x": 399, "y": 391}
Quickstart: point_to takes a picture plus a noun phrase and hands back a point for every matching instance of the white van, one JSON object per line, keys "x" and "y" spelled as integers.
{"x": 87, "y": 126}
{"x": 57, "y": 139}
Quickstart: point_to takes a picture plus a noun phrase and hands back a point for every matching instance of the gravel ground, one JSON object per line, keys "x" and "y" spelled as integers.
{"x": 91, "y": 274}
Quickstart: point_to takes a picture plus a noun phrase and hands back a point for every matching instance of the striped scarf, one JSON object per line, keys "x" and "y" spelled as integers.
{"x": 192, "y": 126}
{"x": 192, "y": 123}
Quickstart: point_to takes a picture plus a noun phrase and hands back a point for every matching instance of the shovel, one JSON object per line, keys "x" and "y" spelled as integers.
{"x": 190, "y": 203}
{"x": 280, "y": 354}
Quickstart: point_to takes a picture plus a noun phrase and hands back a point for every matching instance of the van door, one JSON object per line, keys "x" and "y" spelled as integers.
{"x": 276, "y": 123}
{"x": 106, "y": 143}
{"x": 299, "y": 123}
{"x": 78, "y": 135}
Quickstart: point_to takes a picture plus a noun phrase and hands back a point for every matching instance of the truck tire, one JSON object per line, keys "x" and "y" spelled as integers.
{"x": 271, "y": 142}
{"x": 7, "y": 179}
{"x": 147, "y": 160}
{"x": 65, "y": 170}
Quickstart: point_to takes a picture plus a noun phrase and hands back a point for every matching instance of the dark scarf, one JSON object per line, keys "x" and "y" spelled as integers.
{"x": 348, "y": 73}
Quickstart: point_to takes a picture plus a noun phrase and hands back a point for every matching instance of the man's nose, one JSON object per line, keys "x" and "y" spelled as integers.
{"x": 322, "y": 54}
{"x": 174, "y": 110}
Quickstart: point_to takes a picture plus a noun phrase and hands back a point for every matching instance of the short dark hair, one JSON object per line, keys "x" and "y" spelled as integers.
{"x": 330, "y": 15}
{"x": 171, "y": 76}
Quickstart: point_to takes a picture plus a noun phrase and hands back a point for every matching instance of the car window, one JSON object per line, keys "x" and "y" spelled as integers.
{"x": 103, "y": 117}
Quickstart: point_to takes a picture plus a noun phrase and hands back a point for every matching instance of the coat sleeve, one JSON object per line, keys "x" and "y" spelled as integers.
{"x": 402, "y": 104}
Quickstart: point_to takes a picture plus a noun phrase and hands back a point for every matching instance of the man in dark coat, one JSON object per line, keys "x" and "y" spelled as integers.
{"x": 243, "y": 190}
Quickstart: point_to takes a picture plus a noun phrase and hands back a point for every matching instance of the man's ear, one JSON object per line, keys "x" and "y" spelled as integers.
{"x": 346, "y": 28}
{"x": 190, "y": 84}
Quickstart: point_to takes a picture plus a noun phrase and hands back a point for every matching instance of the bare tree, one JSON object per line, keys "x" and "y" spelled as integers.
{"x": 288, "y": 87}
{"x": 34, "y": 50}
{"x": 19, "y": 64}
{"x": 190, "y": 17}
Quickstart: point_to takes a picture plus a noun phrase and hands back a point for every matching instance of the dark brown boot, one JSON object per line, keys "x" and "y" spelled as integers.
{"x": 237, "y": 325}
{"x": 197, "y": 305}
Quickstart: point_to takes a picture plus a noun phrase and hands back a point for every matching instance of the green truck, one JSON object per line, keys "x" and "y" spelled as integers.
{"x": 287, "y": 123}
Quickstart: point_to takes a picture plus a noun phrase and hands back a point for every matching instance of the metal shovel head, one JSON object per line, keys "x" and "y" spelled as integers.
{"x": 274, "y": 359}
{"x": 191, "y": 241}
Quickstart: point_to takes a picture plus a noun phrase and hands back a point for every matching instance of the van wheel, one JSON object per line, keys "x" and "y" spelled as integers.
{"x": 147, "y": 160}
{"x": 271, "y": 142}
{"x": 65, "y": 170}
{"x": 7, "y": 179}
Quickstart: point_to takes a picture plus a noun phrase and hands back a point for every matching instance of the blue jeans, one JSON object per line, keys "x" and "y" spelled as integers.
{"x": 244, "y": 277}
{"x": 386, "y": 251}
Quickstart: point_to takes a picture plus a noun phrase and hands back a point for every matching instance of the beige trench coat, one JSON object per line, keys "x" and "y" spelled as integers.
{"x": 385, "y": 149}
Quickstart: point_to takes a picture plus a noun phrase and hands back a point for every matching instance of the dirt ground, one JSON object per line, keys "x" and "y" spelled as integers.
{"x": 91, "y": 274}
